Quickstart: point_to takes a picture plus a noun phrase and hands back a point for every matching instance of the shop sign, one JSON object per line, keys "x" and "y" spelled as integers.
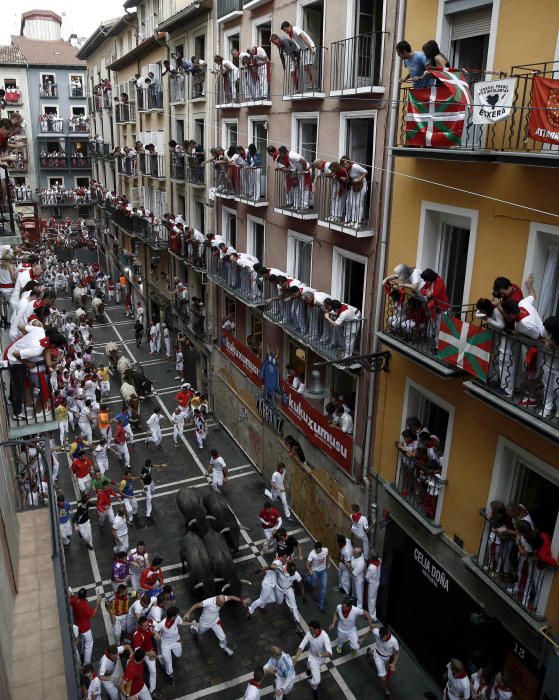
{"x": 337, "y": 445}
{"x": 242, "y": 357}
{"x": 432, "y": 572}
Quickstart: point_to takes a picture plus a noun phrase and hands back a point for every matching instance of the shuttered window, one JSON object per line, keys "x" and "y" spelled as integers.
{"x": 468, "y": 24}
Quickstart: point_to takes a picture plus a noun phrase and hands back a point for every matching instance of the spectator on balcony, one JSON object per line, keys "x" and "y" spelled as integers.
{"x": 436, "y": 59}
{"x": 230, "y": 76}
{"x": 199, "y": 68}
{"x": 273, "y": 152}
{"x": 343, "y": 420}
{"x": 287, "y": 47}
{"x": 314, "y": 301}
{"x": 434, "y": 292}
{"x": 253, "y": 173}
{"x": 243, "y": 60}
{"x": 338, "y": 175}
{"x": 504, "y": 289}
{"x": 307, "y": 47}
{"x": 23, "y": 355}
{"x": 416, "y": 62}
{"x": 357, "y": 183}
{"x": 259, "y": 72}
{"x": 525, "y": 317}
{"x": 346, "y": 322}
{"x": 550, "y": 368}
{"x": 298, "y": 179}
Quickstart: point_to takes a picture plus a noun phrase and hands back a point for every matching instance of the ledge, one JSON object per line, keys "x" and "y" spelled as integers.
{"x": 434, "y": 530}
{"x": 437, "y": 367}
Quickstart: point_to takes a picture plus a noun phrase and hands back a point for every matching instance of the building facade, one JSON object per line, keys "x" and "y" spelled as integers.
{"x": 473, "y": 207}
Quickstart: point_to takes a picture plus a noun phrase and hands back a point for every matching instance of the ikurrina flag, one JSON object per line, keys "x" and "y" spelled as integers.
{"x": 465, "y": 346}
{"x": 436, "y": 114}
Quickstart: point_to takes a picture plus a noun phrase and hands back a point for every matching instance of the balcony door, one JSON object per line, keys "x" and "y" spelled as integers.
{"x": 452, "y": 257}
{"x": 307, "y": 135}
{"x": 348, "y": 278}
{"x": 364, "y": 50}
{"x": 313, "y": 19}
{"x": 360, "y": 147}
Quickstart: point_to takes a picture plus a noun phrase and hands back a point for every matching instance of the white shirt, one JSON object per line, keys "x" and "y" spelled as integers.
{"x": 373, "y": 573}
{"x": 169, "y": 635}
{"x": 252, "y": 692}
{"x": 318, "y": 560}
{"x": 285, "y": 580}
{"x": 218, "y": 464}
{"x": 210, "y": 612}
{"x": 346, "y": 551}
{"x": 531, "y": 326}
{"x": 277, "y": 481}
{"x": 29, "y": 345}
{"x": 357, "y": 565}
{"x": 154, "y": 421}
{"x": 178, "y": 419}
{"x": 137, "y": 562}
{"x": 100, "y": 452}
{"x": 120, "y": 526}
{"x": 457, "y": 688}
{"x": 345, "y": 422}
{"x": 386, "y": 648}
{"x": 156, "y": 613}
{"x": 106, "y": 665}
{"x": 298, "y": 35}
{"x": 94, "y": 690}
{"x": 346, "y": 624}
{"x": 358, "y": 528}
{"x": 317, "y": 645}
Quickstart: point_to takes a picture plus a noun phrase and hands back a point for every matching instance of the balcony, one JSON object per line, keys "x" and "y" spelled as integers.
{"x": 227, "y": 90}
{"x": 253, "y": 4}
{"x": 149, "y": 100}
{"x": 108, "y": 100}
{"x": 20, "y": 165}
{"x": 420, "y": 486}
{"x": 245, "y": 184}
{"x": 78, "y": 125}
{"x": 355, "y": 66}
{"x": 197, "y": 84}
{"x": 343, "y": 209}
{"x": 47, "y": 90}
{"x": 125, "y": 113}
{"x": 306, "y": 323}
{"x": 241, "y": 282}
{"x": 13, "y": 97}
{"x": 76, "y": 91}
{"x": 228, "y": 9}
{"x": 410, "y": 328}
{"x": 55, "y": 162}
{"x": 522, "y": 381}
{"x": 152, "y": 165}
{"x": 293, "y": 194}
{"x": 126, "y": 166}
{"x": 251, "y": 89}
{"x": 80, "y": 162}
{"x": 496, "y": 562}
{"x": 506, "y": 141}
{"x": 302, "y": 76}
{"x": 99, "y": 150}
{"x": 26, "y": 413}
{"x": 51, "y": 123}
{"x": 9, "y": 231}
{"x": 57, "y": 199}
{"x": 177, "y": 88}
{"x": 177, "y": 166}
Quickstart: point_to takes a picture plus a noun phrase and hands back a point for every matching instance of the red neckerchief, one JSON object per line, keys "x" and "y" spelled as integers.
{"x": 169, "y": 623}
{"x": 460, "y": 675}
{"x": 376, "y": 562}
{"x": 355, "y": 517}
{"x": 345, "y": 614}
{"x": 285, "y": 160}
{"x": 291, "y": 32}
{"x": 255, "y": 683}
{"x": 522, "y": 314}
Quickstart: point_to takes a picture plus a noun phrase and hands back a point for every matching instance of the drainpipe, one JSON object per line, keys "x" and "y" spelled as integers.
{"x": 371, "y": 505}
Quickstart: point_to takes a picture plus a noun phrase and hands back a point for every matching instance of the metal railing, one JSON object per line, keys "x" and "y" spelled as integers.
{"x": 306, "y": 322}
{"x": 177, "y": 166}
{"x": 55, "y": 199}
{"x": 52, "y": 123}
{"x": 74, "y": 91}
{"x": 26, "y": 397}
{"x": 355, "y": 63}
{"x": 339, "y": 205}
{"x": 99, "y": 150}
{"x": 80, "y": 161}
{"x": 107, "y": 99}
{"x": 293, "y": 193}
{"x": 7, "y": 221}
{"x": 195, "y": 254}
{"x": 521, "y": 577}
{"x": 152, "y": 165}
{"x": 197, "y": 321}
{"x": 54, "y": 162}
{"x": 125, "y": 113}
{"x": 195, "y": 171}
{"x": 302, "y": 76}
{"x": 225, "y": 7}
{"x": 21, "y": 164}
{"x": 227, "y": 89}
{"x": 243, "y": 282}
{"x": 419, "y": 483}
{"x": 78, "y": 124}
{"x": 244, "y": 183}
{"x": 48, "y": 90}
{"x": 197, "y": 84}
{"x": 177, "y": 87}
{"x": 508, "y": 135}
{"x": 149, "y": 99}
{"x": 248, "y": 85}
{"x": 126, "y": 166}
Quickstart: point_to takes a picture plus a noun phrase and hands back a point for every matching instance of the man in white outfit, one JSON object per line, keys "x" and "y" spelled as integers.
{"x": 154, "y": 425}
{"x": 120, "y": 530}
{"x": 372, "y": 576}
{"x": 177, "y": 419}
{"x": 320, "y": 649}
{"x": 217, "y": 470}
{"x": 110, "y": 669}
{"x": 268, "y": 588}
{"x": 345, "y": 617}
{"x": 287, "y": 577}
{"x": 385, "y": 652}
{"x": 166, "y": 340}
{"x": 344, "y": 575}
{"x": 209, "y": 619}
{"x": 357, "y": 565}
{"x": 360, "y": 528}
{"x": 281, "y": 667}
{"x": 278, "y": 489}
{"x": 168, "y": 632}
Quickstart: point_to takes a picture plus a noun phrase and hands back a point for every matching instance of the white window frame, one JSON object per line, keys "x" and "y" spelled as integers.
{"x": 256, "y": 23}
{"x": 501, "y": 475}
{"x": 473, "y": 215}
{"x": 227, "y": 34}
{"x": 293, "y": 236}
{"x": 55, "y": 177}
{"x": 532, "y": 259}
{"x": 335, "y": 285}
{"x": 303, "y": 3}
{"x": 250, "y": 247}
{"x": 224, "y": 124}
{"x": 360, "y": 114}
{"x": 43, "y": 74}
{"x": 224, "y": 212}
{"x": 261, "y": 119}
{"x": 450, "y": 409}
{"x": 295, "y": 118}
{"x": 77, "y": 75}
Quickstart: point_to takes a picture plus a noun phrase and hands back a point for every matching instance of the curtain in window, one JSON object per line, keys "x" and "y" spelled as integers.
{"x": 548, "y": 292}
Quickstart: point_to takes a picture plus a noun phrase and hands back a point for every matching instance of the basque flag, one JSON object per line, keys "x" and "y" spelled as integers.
{"x": 464, "y": 345}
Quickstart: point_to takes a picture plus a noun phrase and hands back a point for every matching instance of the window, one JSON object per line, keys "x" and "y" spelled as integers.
{"x": 312, "y": 18}
{"x": 304, "y": 136}
{"x": 200, "y": 46}
{"x": 469, "y": 39}
{"x": 82, "y": 182}
{"x": 430, "y": 412}
{"x": 231, "y": 310}
{"x": 447, "y": 244}
{"x": 19, "y": 181}
{"x": 357, "y": 140}
{"x": 256, "y": 236}
{"x": 78, "y": 111}
{"x": 76, "y": 85}
{"x": 299, "y": 256}
{"x": 181, "y": 204}
{"x": 258, "y": 134}
{"x": 231, "y": 43}
{"x": 349, "y": 278}
{"x": 56, "y": 181}
{"x": 179, "y": 131}
{"x": 229, "y": 226}
{"x": 262, "y": 30}
{"x": 542, "y": 259}
{"x": 48, "y": 84}
{"x": 50, "y": 109}
{"x": 297, "y": 357}
{"x": 10, "y": 83}
{"x": 342, "y": 383}
{"x": 179, "y": 51}
{"x": 200, "y": 209}
{"x": 229, "y": 133}
{"x": 199, "y": 131}
{"x": 254, "y": 333}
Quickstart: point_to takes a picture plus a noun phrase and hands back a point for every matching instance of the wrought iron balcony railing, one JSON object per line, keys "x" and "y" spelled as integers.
{"x": 293, "y": 194}
{"x": 355, "y": 64}
{"x": 419, "y": 482}
{"x": 125, "y": 113}
{"x": 27, "y": 401}
{"x": 177, "y": 166}
{"x": 197, "y": 84}
{"x": 78, "y": 125}
{"x": 152, "y": 165}
{"x": 228, "y": 7}
{"x": 48, "y": 90}
{"x": 341, "y": 207}
{"x": 7, "y": 220}
{"x": 79, "y": 161}
{"x": 247, "y": 86}
{"x": 76, "y": 91}
{"x": 126, "y": 166}
{"x": 177, "y": 89}
{"x": 149, "y": 99}
{"x": 242, "y": 282}
{"x": 54, "y": 162}
{"x": 51, "y": 123}
{"x": 302, "y": 76}
{"x": 245, "y": 183}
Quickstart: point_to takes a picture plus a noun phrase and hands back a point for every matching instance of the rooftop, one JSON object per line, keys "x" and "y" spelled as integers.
{"x": 11, "y": 54}
{"x": 48, "y": 53}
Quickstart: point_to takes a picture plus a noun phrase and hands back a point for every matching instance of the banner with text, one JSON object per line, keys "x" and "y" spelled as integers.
{"x": 242, "y": 357}
{"x": 493, "y": 100}
{"x": 544, "y": 110}
{"x": 337, "y": 445}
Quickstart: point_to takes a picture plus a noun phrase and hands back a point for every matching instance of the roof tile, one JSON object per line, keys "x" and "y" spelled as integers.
{"x": 48, "y": 53}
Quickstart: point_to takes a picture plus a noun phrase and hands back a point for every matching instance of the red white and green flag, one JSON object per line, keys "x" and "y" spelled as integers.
{"x": 464, "y": 345}
{"x": 436, "y": 114}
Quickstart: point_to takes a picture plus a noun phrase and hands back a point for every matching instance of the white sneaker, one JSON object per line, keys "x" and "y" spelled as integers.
{"x": 228, "y": 651}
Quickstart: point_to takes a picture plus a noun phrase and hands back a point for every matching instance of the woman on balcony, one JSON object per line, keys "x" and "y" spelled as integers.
{"x": 434, "y": 291}
{"x": 253, "y": 173}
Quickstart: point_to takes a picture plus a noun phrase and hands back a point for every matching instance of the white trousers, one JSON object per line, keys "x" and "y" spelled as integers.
{"x": 283, "y": 498}
{"x": 85, "y": 532}
{"x": 123, "y": 544}
{"x": 148, "y": 490}
{"x": 84, "y": 483}
{"x": 111, "y": 689}
{"x": 344, "y": 579}
{"x": 102, "y": 464}
{"x": 217, "y": 629}
{"x": 348, "y": 636}
{"x": 284, "y": 685}
{"x": 85, "y": 429}
{"x": 267, "y": 596}
{"x": 63, "y": 429}
{"x": 168, "y": 347}
{"x": 106, "y": 515}
{"x": 120, "y": 625}
{"x": 131, "y": 505}
{"x": 217, "y": 479}
{"x": 289, "y": 597}
{"x": 152, "y": 668}
{"x": 200, "y": 437}
{"x": 123, "y": 452}
{"x": 314, "y": 664}
{"x": 66, "y": 532}
{"x": 178, "y": 432}
{"x": 155, "y": 436}
{"x": 167, "y": 652}
{"x": 86, "y": 646}
{"x": 357, "y": 586}
{"x": 129, "y": 433}
{"x": 372, "y": 600}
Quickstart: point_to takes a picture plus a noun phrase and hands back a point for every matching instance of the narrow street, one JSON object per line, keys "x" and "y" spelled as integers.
{"x": 203, "y": 670}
